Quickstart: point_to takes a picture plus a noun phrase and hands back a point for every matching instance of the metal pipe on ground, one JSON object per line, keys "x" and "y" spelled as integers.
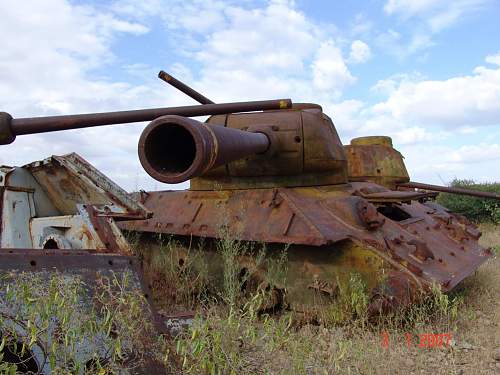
{"x": 451, "y": 190}
{"x": 12, "y": 127}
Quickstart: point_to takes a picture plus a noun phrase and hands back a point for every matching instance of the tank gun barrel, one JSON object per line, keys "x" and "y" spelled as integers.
{"x": 181, "y": 86}
{"x": 452, "y": 190}
{"x": 174, "y": 149}
{"x": 12, "y": 127}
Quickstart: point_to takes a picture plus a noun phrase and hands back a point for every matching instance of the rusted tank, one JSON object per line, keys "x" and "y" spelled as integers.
{"x": 302, "y": 189}
{"x": 282, "y": 177}
{"x": 338, "y": 210}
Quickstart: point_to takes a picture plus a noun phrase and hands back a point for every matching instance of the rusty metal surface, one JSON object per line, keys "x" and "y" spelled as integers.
{"x": 31, "y": 125}
{"x": 63, "y": 202}
{"x": 451, "y": 190}
{"x": 70, "y": 180}
{"x": 173, "y": 149}
{"x": 34, "y": 259}
{"x": 422, "y": 240}
{"x": 181, "y": 86}
{"x": 305, "y": 151}
{"x": 392, "y": 196}
{"x": 374, "y": 159}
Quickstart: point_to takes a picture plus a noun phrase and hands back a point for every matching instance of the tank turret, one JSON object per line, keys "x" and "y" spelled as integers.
{"x": 374, "y": 159}
{"x": 295, "y": 147}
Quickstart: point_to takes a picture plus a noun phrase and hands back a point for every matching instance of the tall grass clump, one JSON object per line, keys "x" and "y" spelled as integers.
{"x": 181, "y": 271}
{"x": 350, "y": 304}
{"x": 432, "y": 308}
{"x": 476, "y": 209}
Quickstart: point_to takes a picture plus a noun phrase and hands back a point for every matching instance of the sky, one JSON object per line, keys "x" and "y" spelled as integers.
{"x": 425, "y": 72}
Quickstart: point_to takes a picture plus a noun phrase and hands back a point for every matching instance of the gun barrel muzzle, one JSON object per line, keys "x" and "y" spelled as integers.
{"x": 174, "y": 149}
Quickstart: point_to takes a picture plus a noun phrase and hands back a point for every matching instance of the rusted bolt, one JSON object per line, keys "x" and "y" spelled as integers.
{"x": 452, "y": 253}
{"x": 297, "y": 139}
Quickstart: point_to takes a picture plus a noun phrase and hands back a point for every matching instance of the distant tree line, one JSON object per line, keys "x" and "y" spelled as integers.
{"x": 476, "y": 209}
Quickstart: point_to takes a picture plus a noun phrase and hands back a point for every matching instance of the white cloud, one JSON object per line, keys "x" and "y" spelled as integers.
{"x": 268, "y": 51}
{"x": 409, "y": 7}
{"x": 360, "y": 52}
{"x": 493, "y": 59}
{"x": 437, "y": 14}
{"x": 471, "y": 100}
{"x": 474, "y": 153}
{"x": 260, "y": 39}
{"x": 361, "y": 25}
{"x": 388, "y": 85}
{"x": 440, "y": 164}
{"x": 330, "y": 72}
{"x": 412, "y": 135}
{"x": 423, "y": 19}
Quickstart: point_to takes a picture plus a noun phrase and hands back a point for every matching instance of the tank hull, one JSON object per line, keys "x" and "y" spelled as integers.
{"x": 399, "y": 238}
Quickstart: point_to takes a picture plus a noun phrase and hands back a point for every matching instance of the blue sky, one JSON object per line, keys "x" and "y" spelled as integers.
{"x": 425, "y": 72}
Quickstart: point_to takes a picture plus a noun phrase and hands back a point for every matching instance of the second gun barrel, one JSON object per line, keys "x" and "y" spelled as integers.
{"x": 451, "y": 190}
{"x": 33, "y": 125}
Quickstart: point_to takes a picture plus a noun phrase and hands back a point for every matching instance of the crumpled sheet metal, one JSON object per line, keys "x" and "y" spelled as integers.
{"x": 70, "y": 180}
{"x": 425, "y": 242}
{"x": 63, "y": 202}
